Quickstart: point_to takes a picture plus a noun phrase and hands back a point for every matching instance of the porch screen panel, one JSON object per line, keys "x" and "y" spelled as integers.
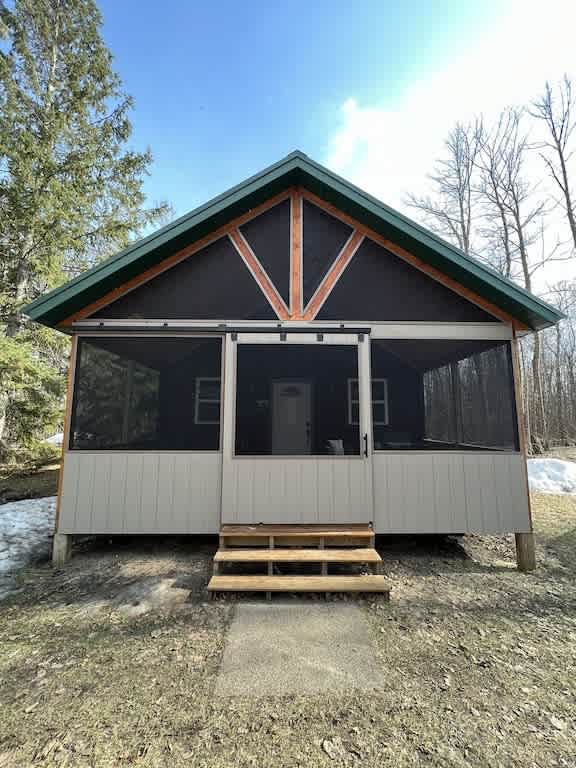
{"x": 147, "y": 394}
{"x": 487, "y": 398}
{"x": 297, "y": 399}
{"x": 445, "y": 395}
{"x": 439, "y": 410}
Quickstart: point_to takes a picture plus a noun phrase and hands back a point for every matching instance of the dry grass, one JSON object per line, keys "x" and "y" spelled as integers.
{"x": 568, "y": 453}
{"x": 113, "y": 662}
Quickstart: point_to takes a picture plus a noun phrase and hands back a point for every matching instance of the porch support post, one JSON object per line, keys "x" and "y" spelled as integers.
{"x": 62, "y": 543}
{"x": 61, "y": 549}
{"x": 525, "y": 552}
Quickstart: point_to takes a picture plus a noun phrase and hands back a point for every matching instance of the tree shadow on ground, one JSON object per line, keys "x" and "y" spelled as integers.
{"x": 433, "y": 551}
{"x": 564, "y": 547}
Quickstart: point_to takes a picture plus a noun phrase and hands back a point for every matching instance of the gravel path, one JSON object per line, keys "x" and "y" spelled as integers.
{"x": 298, "y": 648}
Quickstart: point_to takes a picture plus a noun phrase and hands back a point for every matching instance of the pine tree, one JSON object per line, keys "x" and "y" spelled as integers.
{"x": 71, "y": 191}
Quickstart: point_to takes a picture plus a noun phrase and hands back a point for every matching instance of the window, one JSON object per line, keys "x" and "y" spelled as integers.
{"x": 292, "y": 400}
{"x": 146, "y": 394}
{"x": 207, "y": 406}
{"x": 444, "y": 395}
{"x": 379, "y": 402}
{"x": 353, "y": 402}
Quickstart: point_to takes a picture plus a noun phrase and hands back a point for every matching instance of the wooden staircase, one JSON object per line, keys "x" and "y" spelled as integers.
{"x": 276, "y": 549}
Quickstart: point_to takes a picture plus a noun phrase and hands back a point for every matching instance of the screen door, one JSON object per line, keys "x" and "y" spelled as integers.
{"x": 297, "y": 429}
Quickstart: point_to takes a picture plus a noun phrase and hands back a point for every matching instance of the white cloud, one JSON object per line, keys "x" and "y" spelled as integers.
{"x": 388, "y": 148}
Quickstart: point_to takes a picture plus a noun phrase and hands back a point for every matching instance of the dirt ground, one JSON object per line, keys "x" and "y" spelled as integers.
{"x": 16, "y": 483}
{"x": 113, "y": 661}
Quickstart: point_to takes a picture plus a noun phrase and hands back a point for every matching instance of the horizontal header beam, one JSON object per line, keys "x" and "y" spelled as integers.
{"x": 220, "y": 329}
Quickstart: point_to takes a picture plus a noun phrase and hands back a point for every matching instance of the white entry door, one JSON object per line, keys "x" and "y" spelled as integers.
{"x": 297, "y": 435}
{"x": 291, "y": 418}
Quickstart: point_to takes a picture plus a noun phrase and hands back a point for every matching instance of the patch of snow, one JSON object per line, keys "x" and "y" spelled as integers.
{"x": 56, "y": 439}
{"x": 26, "y": 528}
{"x": 552, "y": 476}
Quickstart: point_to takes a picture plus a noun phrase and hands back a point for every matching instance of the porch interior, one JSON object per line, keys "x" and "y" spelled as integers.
{"x": 165, "y": 394}
{"x": 426, "y": 395}
{"x": 297, "y": 558}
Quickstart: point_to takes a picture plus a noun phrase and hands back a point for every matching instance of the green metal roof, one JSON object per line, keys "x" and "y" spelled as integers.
{"x": 294, "y": 170}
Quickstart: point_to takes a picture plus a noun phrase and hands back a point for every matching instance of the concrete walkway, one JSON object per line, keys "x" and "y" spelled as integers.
{"x": 275, "y": 649}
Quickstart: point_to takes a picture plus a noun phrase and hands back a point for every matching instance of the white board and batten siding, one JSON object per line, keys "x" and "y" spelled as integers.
{"x": 139, "y": 493}
{"x": 432, "y": 492}
{"x": 449, "y": 492}
{"x": 181, "y": 493}
{"x": 295, "y": 490}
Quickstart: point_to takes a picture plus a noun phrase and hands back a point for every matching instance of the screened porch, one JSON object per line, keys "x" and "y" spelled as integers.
{"x": 165, "y": 394}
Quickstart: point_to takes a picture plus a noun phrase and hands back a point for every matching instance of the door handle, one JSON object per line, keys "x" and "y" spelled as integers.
{"x": 366, "y": 445}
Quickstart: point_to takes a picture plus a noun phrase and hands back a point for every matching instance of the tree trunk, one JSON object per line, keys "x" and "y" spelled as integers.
{"x": 538, "y": 418}
{"x": 20, "y": 285}
{"x": 3, "y": 416}
{"x": 567, "y": 194}
{"x": 559, "y": 394}
{"x": 539, "y": 437}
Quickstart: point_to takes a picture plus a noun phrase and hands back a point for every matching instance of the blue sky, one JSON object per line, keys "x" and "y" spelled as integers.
{"x": 223, "y": 89}
{"x": 370, "y": 88}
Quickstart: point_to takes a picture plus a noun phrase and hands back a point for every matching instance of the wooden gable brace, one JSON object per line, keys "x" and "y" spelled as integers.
{"x": 259, "y": 274}
{"x": 402, "y": 253}
{"x": 227, "y": 230}
{"x": 296, "y": 310}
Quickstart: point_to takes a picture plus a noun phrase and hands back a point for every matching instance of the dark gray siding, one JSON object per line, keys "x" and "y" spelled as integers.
{"x": 323, "y": 239}
{"x": 211, "y": 284}
{"x": 269, "y": 237}
{"x": 378, "y": 285}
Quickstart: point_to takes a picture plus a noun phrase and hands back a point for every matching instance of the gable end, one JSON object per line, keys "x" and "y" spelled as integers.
{"x": 150, "y": 257}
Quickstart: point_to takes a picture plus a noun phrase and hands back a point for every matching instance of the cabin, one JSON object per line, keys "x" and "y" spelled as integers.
{"x": 296, "y": 367}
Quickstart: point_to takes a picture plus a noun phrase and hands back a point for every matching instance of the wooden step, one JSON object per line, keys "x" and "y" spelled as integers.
{"x": 297, "y": 556}
{"x": 298, "y": 531}
{"x": 299, "y": 584}
{"x": 349, "y": 535}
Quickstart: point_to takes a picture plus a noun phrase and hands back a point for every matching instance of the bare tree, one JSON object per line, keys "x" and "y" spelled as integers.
{"x": 556, "y": 111}
{"x": 484, "y": 190}
{"x": 496, "y": 226}
{"x": 559, "y": 365}
{"x": 449, "y": 210}
{"x": 513, "y": 209}
{"x": 506, "y": 195}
